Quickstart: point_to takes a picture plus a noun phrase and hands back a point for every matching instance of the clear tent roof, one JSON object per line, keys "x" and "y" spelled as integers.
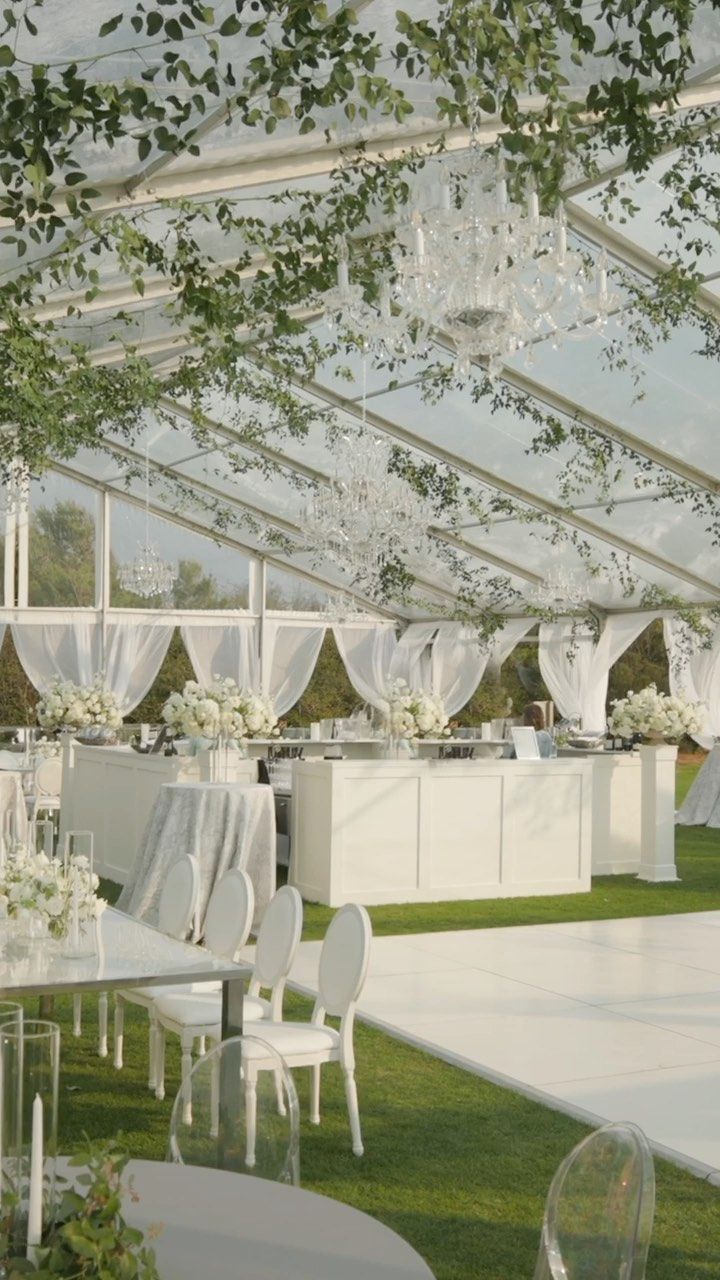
{"x": 668, "y": 418}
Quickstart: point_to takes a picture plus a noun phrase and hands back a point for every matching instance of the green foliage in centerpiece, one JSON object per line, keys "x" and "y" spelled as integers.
{"x": 90, "y": 1236}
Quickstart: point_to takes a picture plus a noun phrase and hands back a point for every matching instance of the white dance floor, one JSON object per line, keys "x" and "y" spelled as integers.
{"x": 607, "y": 1019}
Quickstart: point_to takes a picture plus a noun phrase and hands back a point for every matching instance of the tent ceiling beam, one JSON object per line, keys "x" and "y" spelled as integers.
{"x": 631, "y": 254}
{"x": 532, "y": 500}
{"x": 319, "y": 477}
{"x": 268, "y": 517}
{"x": 558, "y": 403}
{"x": 224, "y": 539}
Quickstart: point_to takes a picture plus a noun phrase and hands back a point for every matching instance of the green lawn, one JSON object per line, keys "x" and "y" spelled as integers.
{"x": 458, "y": 1166}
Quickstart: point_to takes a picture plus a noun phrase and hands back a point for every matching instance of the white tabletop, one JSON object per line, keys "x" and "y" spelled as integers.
{"x": 226, "y": 1226}
{"x": 130, "y": 954}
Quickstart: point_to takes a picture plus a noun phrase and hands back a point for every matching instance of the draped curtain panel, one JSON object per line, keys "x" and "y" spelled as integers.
{"x": 502, "y": 643}
{"x": 68, "y": 650}
{"x": 575, "y": 668}
{"x": 230, "y": 649}
{"x": 134, "y": 654}
{"x": 412, "y": 658}
{"x": 289, "y": 656}
{"x": 367, "y": 654}
{"x": 695, "y": 672}
{"x": 130, "y": 659}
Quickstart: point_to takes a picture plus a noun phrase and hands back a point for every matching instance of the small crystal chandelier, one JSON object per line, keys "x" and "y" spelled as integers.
{"x": 490, "y": 274}
{"x": 148, "y": 575}
{"x": 365, "y": 514}
{"x": 341, "y": 607}
{"x": 561, "y": 590}
{"x": 14, "y": 488}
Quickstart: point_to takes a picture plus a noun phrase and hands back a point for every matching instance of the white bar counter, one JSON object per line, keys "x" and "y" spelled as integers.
{"x": 111, "y": 792}
{"x": 617, "y": 810}
{"x": 385, "y": 831}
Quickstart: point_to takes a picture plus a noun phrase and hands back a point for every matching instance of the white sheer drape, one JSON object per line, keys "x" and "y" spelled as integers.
{"x": 445, "y": 657}
{"x": 367, "y": 654}
{"x": 130, "y": 658}
{"x": 506, "y": 638}
{"x": 695, "y": 672}
{"x": 575, "y": 668}
{"x": 412, "y": 658}
{"x": 227, "y": 650}
{"x": 288, "y": 660}
{"x": 289, "y": 656}
{"x": 134, "y": 653}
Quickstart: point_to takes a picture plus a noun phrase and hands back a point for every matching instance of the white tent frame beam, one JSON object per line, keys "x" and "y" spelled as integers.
{"x": 284, "y": 462}
{"x": 262, "y": 515}
{"x": 252, "y": 553}
{"x": 532, "y": 500}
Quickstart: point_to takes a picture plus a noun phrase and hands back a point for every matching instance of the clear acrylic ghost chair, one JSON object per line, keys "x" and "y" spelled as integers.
{"x": 176, "y": 909}
{"x": 343, "y": 967}
{"x": 196, "y": 1015}
{"x": 599, "y": 1209}
{"x": 224, "y": 1118}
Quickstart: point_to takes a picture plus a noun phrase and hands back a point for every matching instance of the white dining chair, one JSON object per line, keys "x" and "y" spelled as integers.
{"x": 343, "y": 967}
{"x": 47, "y": 786}
{"x": 176, "y": 909}
{"x": 197, "y": 1015}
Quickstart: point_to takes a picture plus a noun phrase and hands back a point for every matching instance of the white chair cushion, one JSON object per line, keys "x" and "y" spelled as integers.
{"x": 196, "y": 1009}
{"x": 180, "y": 989}
{"x": 255, "y": 1009}
{"x": 190, "y": 1010}
{"x": 291, "y": 1038}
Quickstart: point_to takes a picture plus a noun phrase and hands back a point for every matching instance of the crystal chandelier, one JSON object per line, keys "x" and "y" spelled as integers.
{"x": 148, "y": 575}
{"x": 489, "y": 273}
{"x": 365, "y": 515}
{"x": 341, "y": 607}
{"x": 14, "y": 488}
{"x": 561, "y": 589}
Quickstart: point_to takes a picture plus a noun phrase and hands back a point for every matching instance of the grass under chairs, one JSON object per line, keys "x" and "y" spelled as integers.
{"x": 458, "y": 1166}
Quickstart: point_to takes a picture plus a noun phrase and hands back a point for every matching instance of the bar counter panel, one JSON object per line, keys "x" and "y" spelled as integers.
{"x": 429, "y": 831}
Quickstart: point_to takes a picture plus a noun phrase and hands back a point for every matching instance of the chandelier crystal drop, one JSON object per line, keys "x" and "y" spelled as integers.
{"x": 491, "y": 274}
{"x": 561, "y": 589}
{"x": 148, "y": 575}
{"x": 365, "y": 514}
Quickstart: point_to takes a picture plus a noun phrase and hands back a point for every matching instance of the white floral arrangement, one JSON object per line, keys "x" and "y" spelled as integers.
{"x": 413, "y": 713}
{"x": 222, "y": 710}
{"x": 652, "y": 713}
{"x": 35, "y": 886}
{"x": 65, "y": 705}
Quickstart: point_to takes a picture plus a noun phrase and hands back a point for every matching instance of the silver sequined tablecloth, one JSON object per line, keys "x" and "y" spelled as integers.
{"x": 223, "y": 824}
{"x": 702, "y": 802}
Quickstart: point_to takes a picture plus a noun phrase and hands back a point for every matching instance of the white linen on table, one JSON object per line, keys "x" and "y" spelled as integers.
{"x": 223, "y": 824}
{"x": 701, "y": 807}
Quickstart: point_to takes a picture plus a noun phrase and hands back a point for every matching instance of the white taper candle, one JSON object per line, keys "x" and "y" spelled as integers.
{"x": 34, "y": 1231}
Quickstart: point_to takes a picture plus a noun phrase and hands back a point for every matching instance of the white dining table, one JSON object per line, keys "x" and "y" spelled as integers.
{"x": 230, "y": 1226}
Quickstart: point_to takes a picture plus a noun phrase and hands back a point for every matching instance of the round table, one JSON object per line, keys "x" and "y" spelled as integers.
{"x": 228, "y": 1226}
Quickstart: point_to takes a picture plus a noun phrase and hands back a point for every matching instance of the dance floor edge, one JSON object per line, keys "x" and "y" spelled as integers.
{"x": 603, "y": 1020}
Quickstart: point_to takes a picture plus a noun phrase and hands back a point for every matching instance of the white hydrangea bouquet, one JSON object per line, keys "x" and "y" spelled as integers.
{"x": 656, "y": 715}
{"x": 34, "y": 887}
{"x": 413, "y": 713}
{"x": 65, "y": 705}
{"x": 223, "y": 710}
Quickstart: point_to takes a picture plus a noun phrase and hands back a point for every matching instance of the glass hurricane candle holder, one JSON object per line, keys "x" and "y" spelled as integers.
{"x": 80, "y": 939}
{"x": 29, "y": 1064}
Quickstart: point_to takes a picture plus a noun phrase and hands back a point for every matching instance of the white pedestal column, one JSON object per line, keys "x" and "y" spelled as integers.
{"x": 657, "y": 859}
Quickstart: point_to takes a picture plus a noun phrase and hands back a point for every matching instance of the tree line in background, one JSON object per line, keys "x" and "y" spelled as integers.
{"x": 62, "y": 558}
